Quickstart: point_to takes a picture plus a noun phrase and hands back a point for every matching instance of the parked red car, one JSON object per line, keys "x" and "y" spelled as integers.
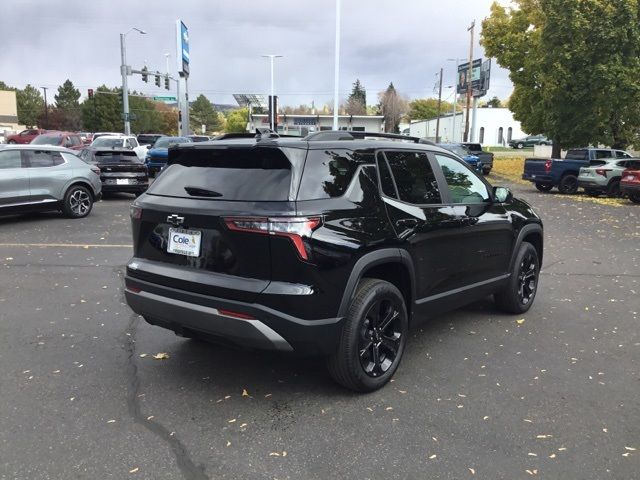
{"x": 61, "y": 139}
{"x": 630, "y": 182}
{"x": 25, "y": 136}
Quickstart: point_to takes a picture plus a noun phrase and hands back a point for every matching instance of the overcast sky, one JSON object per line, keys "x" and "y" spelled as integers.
{"x": 405, "y": 42}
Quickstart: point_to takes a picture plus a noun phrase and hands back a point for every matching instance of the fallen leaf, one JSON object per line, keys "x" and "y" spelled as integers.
{"x": 245, "y": 393}
{"x": 605, "y": 430}
{"x": 402, "y": 391}
{"x": 520, "y": 322}
{"x": 631, "y": 449}
{"x": 544, "y": 436}
{"x": 553, "y": 455}
{"x": 161, "y": 356}
{"x": 111, "y": 421}
{"x": 142, "y": 355}
{"x": 389, "y": 408}
{"x": 150, "y": 417}
{"x": 562, "y": 449}
{"x": 485, "y": 417}
{"x": 274, "y": 454}
{"x": 233, "y": 420}
{"x": 432, "y": 456}
{"x": 243, "y": 425}
{"x": 134, "y": 470}
{"x": 626, "y": 454}
{"x": 284, "y": 453}
{"x": 532, "y": 454}
{"x": 267, "y": 395}
{"x": 228, "y": 443}
{"x": 473, "y": 472}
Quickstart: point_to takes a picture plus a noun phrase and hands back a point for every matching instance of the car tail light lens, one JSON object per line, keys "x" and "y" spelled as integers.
{"x": 232, "y": 314}
{"x": 547, "y": 166}
{"x": 294, "y": 228}
{"x": 135, "y": 212}
{"x": 95, "y": 170}
{"x": 602, "y": 171}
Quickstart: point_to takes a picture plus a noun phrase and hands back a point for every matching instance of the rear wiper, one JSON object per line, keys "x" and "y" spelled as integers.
{"x": 201, "y": 192}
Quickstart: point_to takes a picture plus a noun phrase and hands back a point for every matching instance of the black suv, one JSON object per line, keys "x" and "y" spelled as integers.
{"x": 334, "y": 244}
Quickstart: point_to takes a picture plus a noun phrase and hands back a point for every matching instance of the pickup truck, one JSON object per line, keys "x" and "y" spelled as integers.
{"x": 485, "y": 157}
{"x": 563, "y": 173}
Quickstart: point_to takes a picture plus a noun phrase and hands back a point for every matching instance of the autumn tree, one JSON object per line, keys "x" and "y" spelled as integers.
{"x": 393, "y": 106}
{"x": 237, "y": 121}
{"x": 426, "y": 108}
{"x": 575, "y": 79}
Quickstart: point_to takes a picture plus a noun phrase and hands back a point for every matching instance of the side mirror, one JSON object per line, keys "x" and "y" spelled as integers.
{"x": 148, "y": 147}
{"x": 502, "y": 195}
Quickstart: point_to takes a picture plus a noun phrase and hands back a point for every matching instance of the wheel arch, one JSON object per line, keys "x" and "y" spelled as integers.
{"x": 533, "y": 234}
{"x": 82, "y": 183}
{"x": 393, "y": 265}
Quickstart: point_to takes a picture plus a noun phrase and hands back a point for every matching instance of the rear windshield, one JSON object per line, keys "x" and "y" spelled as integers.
{"x": 116, "y": 157}
{"x": 474, "y": 147}
{"x": 47, "y": 140}
{"x": 243, "y": 174}
{"x": 166, "y": 142}
{"x": 108, "y": 142}
{"x": 147, "y": 138}
{"x": 577, "y": 155}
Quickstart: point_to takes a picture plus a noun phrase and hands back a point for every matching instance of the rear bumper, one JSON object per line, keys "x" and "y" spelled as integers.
{"x": 536, "y": 178}
{"x": 629, "y": 189}
{"x": 140, "y": 187}
{"x": 268, "y": 329}
{"x": 589, "y": 184}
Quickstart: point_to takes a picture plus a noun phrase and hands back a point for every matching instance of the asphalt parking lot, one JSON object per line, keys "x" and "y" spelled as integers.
{"x": 552, "y": 394}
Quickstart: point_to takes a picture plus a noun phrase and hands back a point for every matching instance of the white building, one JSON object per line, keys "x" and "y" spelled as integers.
{"x": 493, "y": 127}
{"x": 303, "y": 125}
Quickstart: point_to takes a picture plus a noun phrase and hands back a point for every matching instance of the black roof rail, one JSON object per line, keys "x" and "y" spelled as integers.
{"x": 351, "y": 135}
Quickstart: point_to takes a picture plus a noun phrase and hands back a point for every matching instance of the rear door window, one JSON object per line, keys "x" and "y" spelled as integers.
{"x": 414, "y": 177}
{"x": 604, "y": 154}
{"x": 10, "y": 159}
{"x": 386, "y": 180}
{"x": 242, "y": 174}
{"x": 43, "y": 159}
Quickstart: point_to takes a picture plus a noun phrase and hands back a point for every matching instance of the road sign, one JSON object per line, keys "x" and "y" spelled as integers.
{"x": 182, "y": 34}
{"x": 165, "y": 99}
{"x": 480, "y": 75}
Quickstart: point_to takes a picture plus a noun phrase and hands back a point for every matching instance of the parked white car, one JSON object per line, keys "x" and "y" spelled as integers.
{"x": 121, "y": 141}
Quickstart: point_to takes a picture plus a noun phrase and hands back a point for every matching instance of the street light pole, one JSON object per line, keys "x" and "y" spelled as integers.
{"x": 46, "y": 108}
{"x": 125, "y": 86}
{"x": 469, "y": 81}
{"x": 336, "y": 68}
{"x": 272, "y": 101}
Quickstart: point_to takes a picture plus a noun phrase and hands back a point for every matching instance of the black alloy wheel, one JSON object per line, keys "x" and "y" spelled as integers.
{"x": 373, "y": 337}
{"x": 613, "y": 189}
{"x": 78, "y": 202}
{"x": 380, "y": 336}
{"x": 544, "y": 187}
{"x": 634, "y": 197}
{"x": 518, "y": 294}
{"x": 569, "y": 184}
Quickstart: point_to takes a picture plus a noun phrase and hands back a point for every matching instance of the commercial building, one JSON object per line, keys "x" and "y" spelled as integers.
{"x": 8, "y": 113}
{"x": 302, "y": 125}
{"x": 493, "y": 127}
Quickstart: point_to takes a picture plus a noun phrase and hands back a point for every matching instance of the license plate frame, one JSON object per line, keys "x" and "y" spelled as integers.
{"x": 189, "y": 248}
{"x": 123, "y": 181}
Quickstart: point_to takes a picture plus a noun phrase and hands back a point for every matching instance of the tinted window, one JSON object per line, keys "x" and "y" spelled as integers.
{"x": 42, "y": 159}
{"x": 577, "y": 155}
{"x": 10, "y": 159}
{"x": 47, "y": 140}
{"x": 386, "y": 181}
{"x": 620, "y": 154}
{"x": 107, "y": 142}
{"x": 464, "y": 185}
{"x": 604, "y": 154}
{"x": 115, "y": 157}
{"x": 252, "y": 174}
{"x": 166, "y": 142}
{"x": 473, "y": 147}
{"x": 327, "y": 173}
{"x": 414, "y": 177}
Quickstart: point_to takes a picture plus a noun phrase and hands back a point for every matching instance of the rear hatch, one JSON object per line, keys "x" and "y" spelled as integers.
{"x": 185, "y": 236}
{"x": 120, "y": 164}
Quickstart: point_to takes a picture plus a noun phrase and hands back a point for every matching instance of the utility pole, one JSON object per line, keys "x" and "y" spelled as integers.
{"x": 46, "y": 108}
{"x": 469, "y": 77}
{"x": 272, "y": 100}
{"x": 336, "y": 68}
{"x": 439, "y": 106}
{"x": 124, "y": 70}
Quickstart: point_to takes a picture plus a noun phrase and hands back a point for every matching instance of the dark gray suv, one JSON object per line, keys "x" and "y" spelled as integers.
{"x": 43, "y": 177}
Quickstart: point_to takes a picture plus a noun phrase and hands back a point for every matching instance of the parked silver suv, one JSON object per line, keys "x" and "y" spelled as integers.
{"x": 42, "y": 177}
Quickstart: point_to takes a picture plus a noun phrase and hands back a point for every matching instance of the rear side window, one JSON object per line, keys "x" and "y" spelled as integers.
{"x": 386, "y": 180}
{"x": 604, "y": 154}
{"x": 42, "y": 159}
{"x": 10, "y": 159}
{"x": 577, "y": 155}
{"x": 464, "y": 185}
{"x": 243, "y": 174}
{"x": 327, "y": 173}
{"x": 414, "y": 177}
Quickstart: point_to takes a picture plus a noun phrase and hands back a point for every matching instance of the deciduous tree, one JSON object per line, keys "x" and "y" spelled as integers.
{"x": 393, "y": 106}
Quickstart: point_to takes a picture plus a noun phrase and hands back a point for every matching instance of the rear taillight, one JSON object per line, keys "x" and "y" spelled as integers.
{"x": 232, "y": 314}
{"x": 95, "y": 170}
{"x": 135, "y": 212}
{"x": 547, "y": 166}
{"x": 294, "y": 228}
{"x": 602, "y": 171}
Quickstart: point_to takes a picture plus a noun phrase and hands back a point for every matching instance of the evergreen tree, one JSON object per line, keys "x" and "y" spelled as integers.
{"x": 30, "y": 105}
{"x": 68, "y": 106}
{"x": 202, "y": 112}
{"x": 357, "y": 101}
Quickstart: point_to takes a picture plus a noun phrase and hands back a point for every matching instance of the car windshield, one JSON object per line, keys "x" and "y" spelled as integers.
{"x": 47, "y": 140}
{"x": 108, "y": 142}
{"x": 166, "y": 142}
{"x": 457, "y": 149}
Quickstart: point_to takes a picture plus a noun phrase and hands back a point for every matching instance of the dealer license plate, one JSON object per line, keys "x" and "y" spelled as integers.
{"x": 184, "y": 242}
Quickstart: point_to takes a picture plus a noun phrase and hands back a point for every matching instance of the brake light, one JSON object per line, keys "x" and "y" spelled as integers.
{"x": 294, "y": 228}
{"x": 135, "y": 212}
{"x": 602, "y": 171}
{"x": 95, "y": 170}
{"x": 547, "y": 166}
{"x": 229, "y": 313}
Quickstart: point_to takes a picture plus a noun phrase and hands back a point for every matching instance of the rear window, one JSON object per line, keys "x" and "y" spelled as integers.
{"x": 328, "y": 173}
{"x": 474, "y": 147}
{"x": 243, "y": 174}
{"x": 596, "y": 163}
{"x": 47, "y": 140}
{"x": 116, "y": 157}
{"x": 577, "y": 155}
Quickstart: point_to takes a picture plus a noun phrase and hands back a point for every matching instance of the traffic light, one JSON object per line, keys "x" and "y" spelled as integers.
{"x": 157, "y": 80}
{"x": 90, "y": 92}
{"x": 145, "y": 75}
{"x": 166, "y": 82}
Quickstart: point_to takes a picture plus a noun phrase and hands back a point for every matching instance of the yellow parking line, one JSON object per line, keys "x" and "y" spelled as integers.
{"x": 65, "y": 245}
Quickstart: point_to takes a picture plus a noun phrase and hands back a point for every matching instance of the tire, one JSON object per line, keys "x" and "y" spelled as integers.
{"x": 613, "y": 189}
{"x": 374, "y": 367}
{"x": 520, "y": 146}
{"x": 544, "y": 187}
{"x": 78, "y": 202}
{"x": 634, "y": 197}
{"x": 518, "y": 295}
{"x": 568, "y": 184}
{"x": 11, "y": 142}
{"x": 486, "y": 171}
